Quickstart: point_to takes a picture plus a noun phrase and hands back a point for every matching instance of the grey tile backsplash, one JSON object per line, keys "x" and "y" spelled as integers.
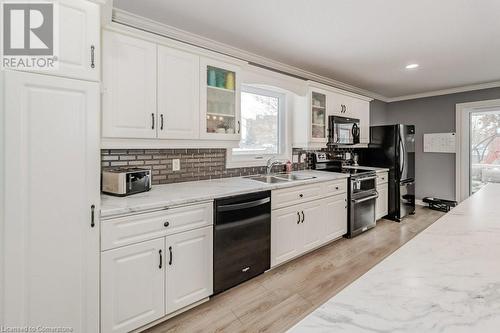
{"x": 196, "y": 164}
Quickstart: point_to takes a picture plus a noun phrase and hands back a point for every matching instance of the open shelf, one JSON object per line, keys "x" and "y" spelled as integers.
{"x": 221, "y": 89}
{"x": 220, "y": 114}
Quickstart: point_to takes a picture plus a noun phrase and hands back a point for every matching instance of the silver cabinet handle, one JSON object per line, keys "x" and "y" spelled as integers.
{"x": 92, "y": 218}
{"x": 303, "y": 217}
{"x": 152, "y": 121}
{"x": 171, "y": 255}
{"x": 161, "y": 121}
{"x": 298, "y": 217}
{"x": 239, "y": 126}
{"x": 92, "y": 56}
{"x": 161, "y": 260}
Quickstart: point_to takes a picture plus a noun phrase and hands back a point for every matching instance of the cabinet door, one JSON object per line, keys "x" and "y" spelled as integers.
{"x": 178, "y": 94}
{"x": 285, "y": 234}
{"x": 132, "y": 286}
{"x": 382, "y": 202}
{"x": 360, "y": 109}
{"x": 336, "y": 104}
{"x": 318, "y": 110}
{"x": 129, "y": 81}
{"x": 335, "y": 218}
{"x": 78, "y": 44}
{"x": 51, "y": 145}
{"x": 311, "y": 227}
{"x": 219, "y": 100}
{"x": 79, "y": 40}
{"x": 189, "y": 267}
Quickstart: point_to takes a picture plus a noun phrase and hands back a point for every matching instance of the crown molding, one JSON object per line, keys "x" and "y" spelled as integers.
{"x": 473, "y": 87}
{"x": 143, "y": 23}
{"x": 148, "y": 25}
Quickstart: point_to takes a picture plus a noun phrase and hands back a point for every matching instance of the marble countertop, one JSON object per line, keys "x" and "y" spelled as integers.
{"x": 161, "y": 196}
{"x": 446, "y": 279}
{"x": 366, "y": 168}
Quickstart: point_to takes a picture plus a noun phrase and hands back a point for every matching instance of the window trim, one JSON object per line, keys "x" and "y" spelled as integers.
{"x": 284, "y": 140}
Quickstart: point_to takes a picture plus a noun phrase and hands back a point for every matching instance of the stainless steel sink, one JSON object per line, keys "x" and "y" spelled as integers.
{"x": 292, "y": 177}
{"x": 279, "y": 178}
{"x": 267, "y": 179}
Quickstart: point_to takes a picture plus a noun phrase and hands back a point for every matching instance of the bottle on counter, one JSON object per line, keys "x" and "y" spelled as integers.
{"x": 288, "y": 166}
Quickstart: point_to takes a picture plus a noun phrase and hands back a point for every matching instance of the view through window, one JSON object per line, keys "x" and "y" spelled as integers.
{"x": 484, "y": 149}
{"x": 260, "y": 132}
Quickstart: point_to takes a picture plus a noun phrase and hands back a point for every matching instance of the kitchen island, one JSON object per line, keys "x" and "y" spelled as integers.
{"x": 447, "y": 279}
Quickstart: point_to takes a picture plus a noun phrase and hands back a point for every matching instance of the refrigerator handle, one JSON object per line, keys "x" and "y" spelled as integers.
{"x": 402, "y": 154}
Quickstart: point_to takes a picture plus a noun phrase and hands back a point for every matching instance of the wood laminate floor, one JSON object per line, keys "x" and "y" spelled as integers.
{"x": 278, "y": 299}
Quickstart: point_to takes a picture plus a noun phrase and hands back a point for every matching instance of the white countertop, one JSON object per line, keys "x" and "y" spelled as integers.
{"x": 446, "y": 279}
{"x": 366, "y": 168}
{"x": 161, "y": 196}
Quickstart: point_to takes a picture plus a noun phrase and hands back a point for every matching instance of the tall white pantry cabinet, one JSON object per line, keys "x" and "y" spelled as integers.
{"x": 49, "y": 176}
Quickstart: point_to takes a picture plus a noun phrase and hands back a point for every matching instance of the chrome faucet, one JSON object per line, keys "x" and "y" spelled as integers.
{"x": 270, "y": 163}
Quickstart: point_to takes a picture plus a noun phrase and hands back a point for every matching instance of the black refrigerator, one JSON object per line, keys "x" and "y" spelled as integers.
{"x": 393, "y": 147}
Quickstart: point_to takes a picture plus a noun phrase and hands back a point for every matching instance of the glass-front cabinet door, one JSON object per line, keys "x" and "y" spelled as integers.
{"x": 319, "y": 120}
{"x": 220, "y": 101}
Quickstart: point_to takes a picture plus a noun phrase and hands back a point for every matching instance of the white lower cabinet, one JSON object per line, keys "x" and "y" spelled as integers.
{"x": 285, "y": 234}
{"x": 156, "y": 276}
{"x": 189, "y": 268}
{"x": 299, "y": 228}
{"x": 132, "y": 286}
{"x": 382, "y": 202}
{"x": 313, "y": 220}
{"x": 336, "y": 217}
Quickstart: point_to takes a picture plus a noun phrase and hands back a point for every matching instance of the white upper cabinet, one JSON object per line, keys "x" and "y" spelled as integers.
{"x": 219, "y": 100}
{"x": 77, "y": 46}
{"x": 354, "y": 107}
{"x": 178, "y": 94}
{"x": 132, "y": 286}
{"x": 310, "y": 119}
{"x": 79, "y": 40}
{"x": 189, "y": 267}
{"x": 318, "y": 103}
{"x": 51, "y": 226}
{"x": 129, "y": 81}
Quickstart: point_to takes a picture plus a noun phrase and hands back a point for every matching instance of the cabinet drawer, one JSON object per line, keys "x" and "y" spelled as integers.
{"x": 382, "y": 178}
{"x": 335, "y": 187}
{"x": 132, "y": 229}
{"x": 293, "y": 195}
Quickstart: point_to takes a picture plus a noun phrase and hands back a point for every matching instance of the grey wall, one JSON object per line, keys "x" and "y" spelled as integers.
{"x": 434, "y": 172}
{"x": 378, "y": 112}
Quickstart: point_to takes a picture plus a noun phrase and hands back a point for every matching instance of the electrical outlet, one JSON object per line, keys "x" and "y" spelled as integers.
{"x": 176, "y": 164}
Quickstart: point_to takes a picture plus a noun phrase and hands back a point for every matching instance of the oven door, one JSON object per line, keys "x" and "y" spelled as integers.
{"x": 362, "y": 214}
{"x": 362, "y": 185}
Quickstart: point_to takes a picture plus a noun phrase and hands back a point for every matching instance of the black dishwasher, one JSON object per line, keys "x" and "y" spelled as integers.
{"x": 242, "y": 238}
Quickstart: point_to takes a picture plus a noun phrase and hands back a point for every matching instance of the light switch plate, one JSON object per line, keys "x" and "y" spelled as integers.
{"x": 176, "y": 164}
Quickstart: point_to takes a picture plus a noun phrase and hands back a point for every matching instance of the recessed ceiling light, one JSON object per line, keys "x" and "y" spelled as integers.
{"x": 411, "y": 66}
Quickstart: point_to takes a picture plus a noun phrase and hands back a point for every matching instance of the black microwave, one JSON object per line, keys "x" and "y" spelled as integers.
{"x": 343, "y": 131}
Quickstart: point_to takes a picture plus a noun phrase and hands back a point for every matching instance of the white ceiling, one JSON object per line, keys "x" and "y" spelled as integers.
{"x": 363, "y": 43}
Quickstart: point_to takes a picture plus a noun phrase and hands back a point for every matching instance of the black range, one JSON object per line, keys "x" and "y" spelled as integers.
{"x": 362, "y": 193}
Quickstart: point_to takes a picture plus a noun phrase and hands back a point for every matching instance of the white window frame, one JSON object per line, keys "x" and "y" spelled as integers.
{"x": 284, "y": 126}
